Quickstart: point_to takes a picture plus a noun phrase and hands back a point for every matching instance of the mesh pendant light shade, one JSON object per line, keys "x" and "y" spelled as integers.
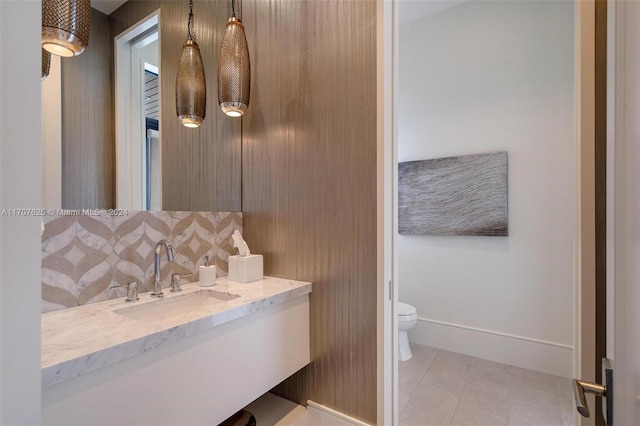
{"x": 65, "y": 26}
{"x": 234, "y": 71}
{"x": 191, "y": 87}
{"x": 46, "y": 63}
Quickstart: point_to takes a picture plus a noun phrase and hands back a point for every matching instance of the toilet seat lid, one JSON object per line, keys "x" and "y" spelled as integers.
{"x": 404, "y": 309}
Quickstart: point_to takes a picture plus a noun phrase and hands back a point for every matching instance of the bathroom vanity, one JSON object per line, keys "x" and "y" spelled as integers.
{"x": 193, "y": 357}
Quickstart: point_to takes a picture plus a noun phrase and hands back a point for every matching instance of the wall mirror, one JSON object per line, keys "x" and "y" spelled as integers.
{"x": 111, "y": 138}
{"x": 138, "y": 144}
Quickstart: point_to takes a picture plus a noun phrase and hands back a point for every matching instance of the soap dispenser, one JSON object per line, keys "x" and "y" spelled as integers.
{"x": 207, "y": 274}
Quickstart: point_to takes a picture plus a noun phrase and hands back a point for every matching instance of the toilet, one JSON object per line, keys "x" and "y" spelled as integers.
{"x": 407, "y": 318}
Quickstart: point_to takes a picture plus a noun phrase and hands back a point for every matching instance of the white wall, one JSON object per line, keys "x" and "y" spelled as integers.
{"x": 150, "y": 52}
{"x": 482, "y": 77}
{"x": 52, "y": 136}
{"x": 20, "y": 187}
{"x": 627, "y": 212}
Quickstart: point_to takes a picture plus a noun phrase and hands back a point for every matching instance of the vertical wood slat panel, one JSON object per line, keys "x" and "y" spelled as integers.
{"x": 87, "y": 123}
{"x": 309, "y": 197}
{"x": 200, "y": 167}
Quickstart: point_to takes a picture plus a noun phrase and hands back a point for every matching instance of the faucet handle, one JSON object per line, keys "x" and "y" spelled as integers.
{"x": 176, "y": 283}
{"x": 157, "y": 289}
{"x": 132, "y": 291}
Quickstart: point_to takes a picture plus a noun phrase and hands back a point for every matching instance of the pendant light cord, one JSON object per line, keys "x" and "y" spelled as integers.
{"x": 190, "y": 29}
{"x": 236, "y": 9}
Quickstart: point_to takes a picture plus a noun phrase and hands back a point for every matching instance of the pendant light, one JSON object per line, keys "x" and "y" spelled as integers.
{"x": 65, "y": 26}
{"x": 191, "y": 87}
{"x": 46, "y": 63}
{"x": 234, "y": 70}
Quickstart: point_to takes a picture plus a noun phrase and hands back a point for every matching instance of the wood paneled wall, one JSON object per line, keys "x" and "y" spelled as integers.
{"x": 309, "y": 167}
{"x": 87, "y": 123}
{"x": 201, "y": 168}
{"x": 309, "y": 182}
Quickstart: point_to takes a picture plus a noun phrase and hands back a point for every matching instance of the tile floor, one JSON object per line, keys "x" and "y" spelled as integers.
{"x": 438, "y": 387}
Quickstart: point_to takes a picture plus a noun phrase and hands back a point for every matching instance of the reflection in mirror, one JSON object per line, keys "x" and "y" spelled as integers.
{"x": 78, "y": 131}
{"x": 77, "y": 135}
{"x": 51, "y": 115}
{"x": 150, "y": 111}
{"x": 86, "y": 163}
{"x": 137, "y": 92}
{"x": 152, "y": 147}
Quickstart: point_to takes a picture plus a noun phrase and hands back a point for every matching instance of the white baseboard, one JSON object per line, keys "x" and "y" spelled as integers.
{"x": 319, "y": 415}
{"x": 271, "y": 409}
{"x": 546, "y": 357}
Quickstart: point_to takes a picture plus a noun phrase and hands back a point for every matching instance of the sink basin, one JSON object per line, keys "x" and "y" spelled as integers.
{"x": 174, "y": 306}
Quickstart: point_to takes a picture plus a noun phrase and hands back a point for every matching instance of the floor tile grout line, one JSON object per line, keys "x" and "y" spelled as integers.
{"x": 413, "y": 391}
{"x": 466, "y": 380}
{"x": 511, "y": 376}
{"x": 433, "y": 360}
{"x": 412, "y": 394}
{"x": 559, "y": 402}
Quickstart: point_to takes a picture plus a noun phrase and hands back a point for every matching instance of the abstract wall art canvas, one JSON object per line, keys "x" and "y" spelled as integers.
{"x": 465, "y": 195}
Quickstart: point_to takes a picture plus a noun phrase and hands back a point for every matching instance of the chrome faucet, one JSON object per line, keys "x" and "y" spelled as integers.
{"x": 157, "y": 283}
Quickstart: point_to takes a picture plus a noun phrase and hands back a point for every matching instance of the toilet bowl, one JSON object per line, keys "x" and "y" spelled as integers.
{"x": 407, "y": 318}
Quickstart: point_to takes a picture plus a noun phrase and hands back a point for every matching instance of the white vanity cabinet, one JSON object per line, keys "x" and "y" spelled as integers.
{"x": 197, "y": 372}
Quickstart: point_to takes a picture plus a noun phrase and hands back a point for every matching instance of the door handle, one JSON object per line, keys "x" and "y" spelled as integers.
{"x": 579, "y": 389}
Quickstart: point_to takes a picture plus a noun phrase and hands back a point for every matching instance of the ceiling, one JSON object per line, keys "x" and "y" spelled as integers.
{"x": 107, "y": 6}
{"x": 412, "y": 10}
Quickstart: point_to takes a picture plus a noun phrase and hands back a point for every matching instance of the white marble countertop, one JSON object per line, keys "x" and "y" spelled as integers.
{"x": 78, "y": 340}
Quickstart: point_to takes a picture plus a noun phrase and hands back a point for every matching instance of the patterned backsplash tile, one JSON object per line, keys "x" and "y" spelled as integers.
{"x": 84, "y": 256}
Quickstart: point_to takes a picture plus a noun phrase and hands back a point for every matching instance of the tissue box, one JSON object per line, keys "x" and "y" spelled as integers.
{"x": 245, "y": 269}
